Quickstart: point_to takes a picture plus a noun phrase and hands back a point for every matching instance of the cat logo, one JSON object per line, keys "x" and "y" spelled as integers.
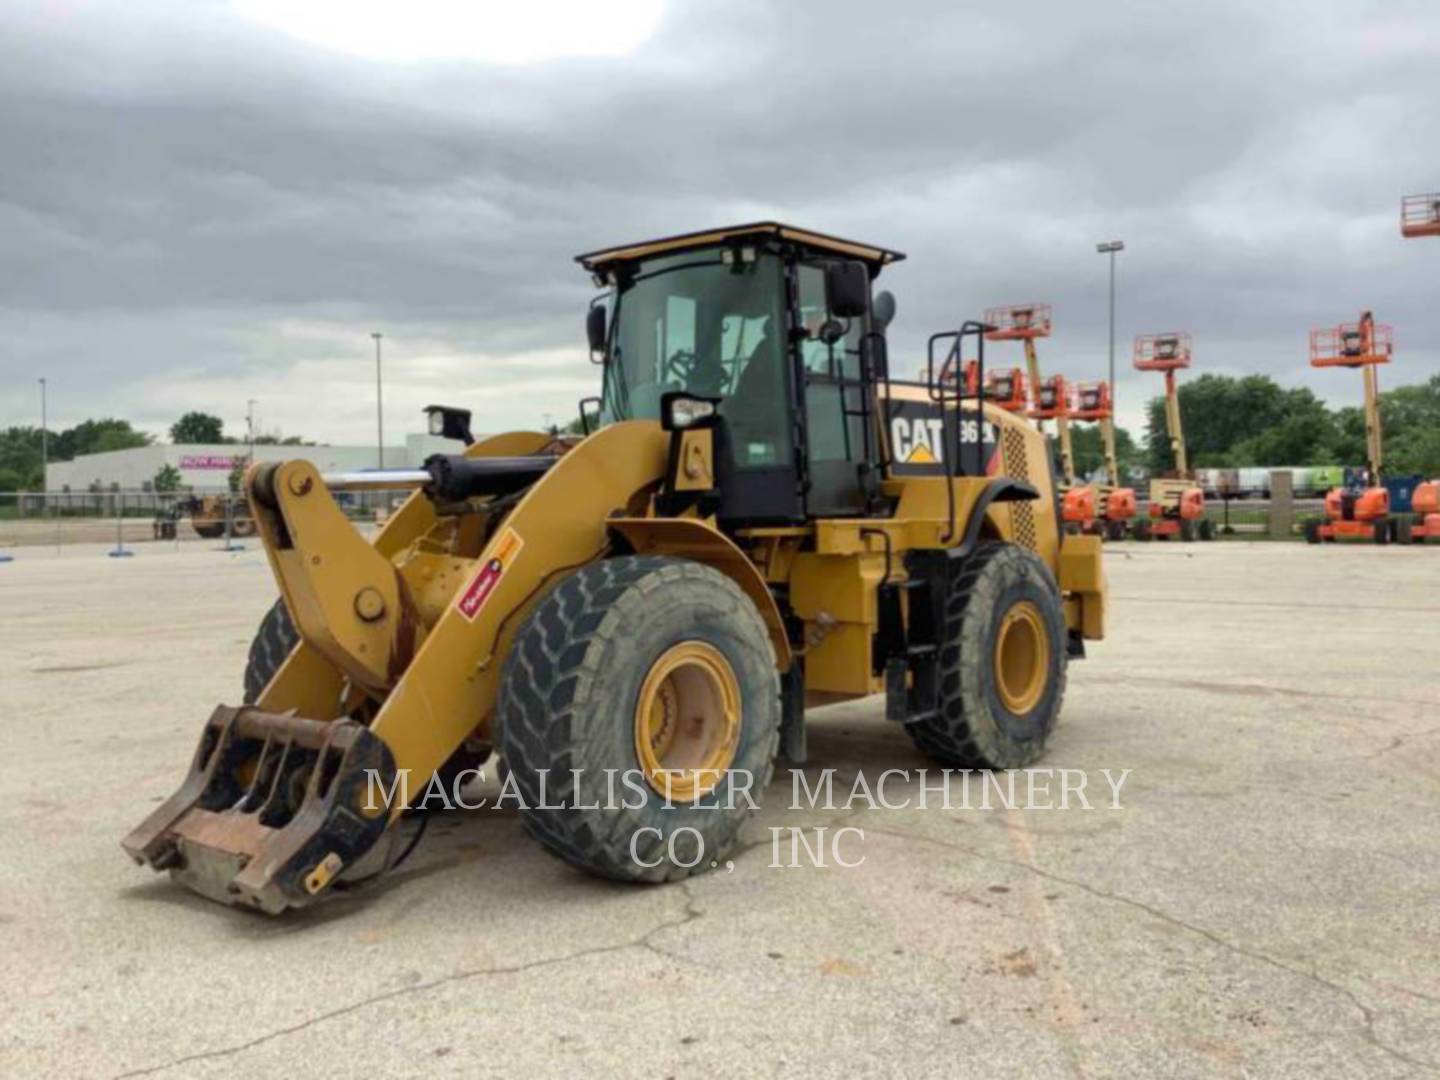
{"x": 919, "y": 440}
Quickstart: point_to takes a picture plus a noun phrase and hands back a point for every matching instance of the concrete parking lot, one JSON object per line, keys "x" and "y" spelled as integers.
{"x": 1265, "y": 901}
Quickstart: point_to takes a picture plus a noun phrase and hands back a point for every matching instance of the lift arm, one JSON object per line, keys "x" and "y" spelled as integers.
{"x": 1172, "y": 422}
{"x": 1107, "y": 438}
{"x": 1062, "y": 422}
{"x": 1374, "y": 437}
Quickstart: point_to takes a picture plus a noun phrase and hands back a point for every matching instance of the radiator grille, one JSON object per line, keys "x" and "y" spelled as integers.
{"x": 1017, "y": 467}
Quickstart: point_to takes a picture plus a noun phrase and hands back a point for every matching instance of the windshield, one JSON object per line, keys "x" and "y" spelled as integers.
{"x": 690, "y": 322}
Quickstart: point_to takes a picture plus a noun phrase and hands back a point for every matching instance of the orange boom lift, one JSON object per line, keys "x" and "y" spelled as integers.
{"x": 1115, "y": 505}
{"x": 1025, "y": 323}
{"x": 1348, "y": 513}
{"x": 1177, "y": 503}
{"x": 1005, "y": 387}
{"x": 1420, "y": 216}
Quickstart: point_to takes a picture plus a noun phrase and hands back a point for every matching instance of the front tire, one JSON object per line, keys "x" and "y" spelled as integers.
{"x": 275, "y": 640}
{"x": 634, "y": 676}
{"x": 1002, "y": 662}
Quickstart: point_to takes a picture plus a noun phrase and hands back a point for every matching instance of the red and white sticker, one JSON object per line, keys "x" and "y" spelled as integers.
{"x": 489, "y": 574}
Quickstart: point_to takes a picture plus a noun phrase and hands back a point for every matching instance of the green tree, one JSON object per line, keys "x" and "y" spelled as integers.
{"x": 1409, "y": 420}
{"x": 238, "y": 465}
{"x": 96, "y": 437}
{"x": 198, "y": 427}
{"x": 1305, "y": 434}
{"x": 20, "y": 458}
{"x": 1089, "y": 450}
{"x": 167, "y": 479}
{"x": 1216, "y": 412}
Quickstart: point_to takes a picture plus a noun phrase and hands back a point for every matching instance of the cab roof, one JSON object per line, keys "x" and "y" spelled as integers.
{"x": 607, "y": 257}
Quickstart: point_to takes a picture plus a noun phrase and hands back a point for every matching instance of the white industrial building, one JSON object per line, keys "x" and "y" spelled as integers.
{"x": 205, "y": 467}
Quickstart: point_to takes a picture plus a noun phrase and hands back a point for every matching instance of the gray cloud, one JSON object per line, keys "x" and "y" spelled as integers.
{"x": 197, "y": 210}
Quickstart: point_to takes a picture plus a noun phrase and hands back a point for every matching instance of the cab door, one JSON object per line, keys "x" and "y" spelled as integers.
{"x": 834, "y": 396}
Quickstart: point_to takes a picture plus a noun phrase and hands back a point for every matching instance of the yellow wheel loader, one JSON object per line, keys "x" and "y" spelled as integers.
{"x": 761, "y": 520}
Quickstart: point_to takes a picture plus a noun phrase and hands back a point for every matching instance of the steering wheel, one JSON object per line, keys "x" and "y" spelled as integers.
{"x": 678, "y": 366}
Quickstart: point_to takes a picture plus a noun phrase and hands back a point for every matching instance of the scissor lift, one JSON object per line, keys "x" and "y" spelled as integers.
{"x": 1177, "y": 503}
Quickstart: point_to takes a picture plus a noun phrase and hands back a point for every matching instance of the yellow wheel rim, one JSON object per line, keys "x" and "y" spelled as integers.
{"x": 687, "y": 721}
{"x": 1022, "y": 658}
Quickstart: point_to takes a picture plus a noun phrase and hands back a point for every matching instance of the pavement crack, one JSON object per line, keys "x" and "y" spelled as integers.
{"x": 642, "y": 941}
{"x": 1397, "y": 741}
{"x": 1368, "y": 1014}
{"x": 1257, "y": 690}
{"x": 692, "y": 912}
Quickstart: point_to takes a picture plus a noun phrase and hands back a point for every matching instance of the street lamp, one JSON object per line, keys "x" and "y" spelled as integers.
{"x": 1111, "y": 247}
{"x": 379, "y": 408}
{"x": 44, "y": 441}
{"x": 250, "y": 427}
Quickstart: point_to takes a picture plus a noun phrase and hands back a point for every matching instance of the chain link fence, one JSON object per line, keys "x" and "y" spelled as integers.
{"x": 1253, "y": 518}
{"x": 122, "y": 521}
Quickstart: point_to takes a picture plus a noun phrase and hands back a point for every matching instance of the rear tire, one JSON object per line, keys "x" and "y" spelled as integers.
{"x": 1207, "y": 529}
{"x": 1187, "y": 530}
{"x": 1312, "y": 532}
{"x": 573, "y": 697}
{"x": 1382, "y": 532}
{"x": 999, "y": 696}
{"x": 1115, "y": 530}
{"x": 1142, "y": 529}
{"x": 1404, "y": 530}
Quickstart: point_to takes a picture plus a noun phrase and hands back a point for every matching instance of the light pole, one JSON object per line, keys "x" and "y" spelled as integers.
{"x": 44, "y": 440}
{"x": 1111, "y": 247}
{"x": 250, "y": 427}
{"x": 379, "y": 408}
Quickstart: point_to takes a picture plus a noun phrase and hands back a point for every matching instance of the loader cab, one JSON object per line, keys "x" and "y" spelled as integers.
{"x": 776, "y": 326}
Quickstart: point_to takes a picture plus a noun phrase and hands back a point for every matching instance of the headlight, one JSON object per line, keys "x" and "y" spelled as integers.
{"x": 449, "y": 423}
{"x": 687, "y": 412}
{"x": 679, "y": 411}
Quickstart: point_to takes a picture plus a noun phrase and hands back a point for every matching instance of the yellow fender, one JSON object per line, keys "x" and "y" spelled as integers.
{"x": 691, "y": 538}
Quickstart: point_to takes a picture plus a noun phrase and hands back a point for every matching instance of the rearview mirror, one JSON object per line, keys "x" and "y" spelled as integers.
{"x": 882, "y": 310}
{"x": 847, "y": 289}
{"x": 595, "y": 328}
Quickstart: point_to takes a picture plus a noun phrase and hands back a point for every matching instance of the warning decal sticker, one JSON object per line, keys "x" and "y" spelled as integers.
{"x": 489, "y": 574}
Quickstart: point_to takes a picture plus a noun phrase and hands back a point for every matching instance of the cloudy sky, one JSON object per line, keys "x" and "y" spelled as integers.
{"x": 207, "y": 202}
